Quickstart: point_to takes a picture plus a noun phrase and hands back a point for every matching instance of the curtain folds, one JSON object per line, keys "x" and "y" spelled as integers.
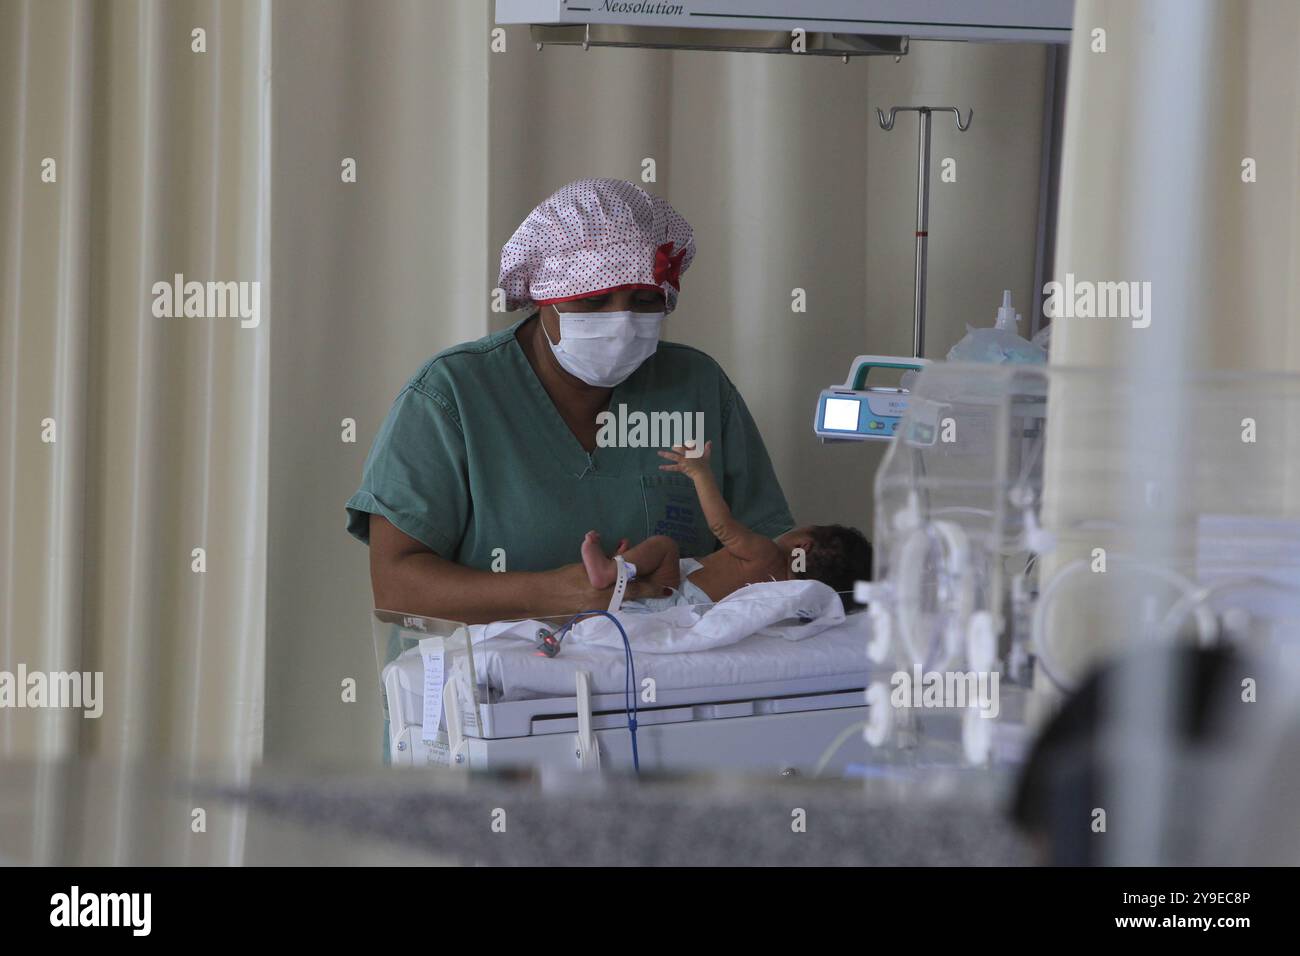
{"x": 133, "y": 437}
{"x": 1178, "y": 170}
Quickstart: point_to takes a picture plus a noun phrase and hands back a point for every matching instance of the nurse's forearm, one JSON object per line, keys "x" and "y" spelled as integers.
{"x": 407, "y": 576}
{"x": 429, "y": 585}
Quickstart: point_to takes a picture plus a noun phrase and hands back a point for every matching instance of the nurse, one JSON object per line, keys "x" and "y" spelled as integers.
{"x": 487, "y": 472}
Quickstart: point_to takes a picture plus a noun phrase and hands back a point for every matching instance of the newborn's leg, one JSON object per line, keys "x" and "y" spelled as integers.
{"x": 601, "y": 570}
{"x": 655, "y": 557}
{"x": 657, "y": 560}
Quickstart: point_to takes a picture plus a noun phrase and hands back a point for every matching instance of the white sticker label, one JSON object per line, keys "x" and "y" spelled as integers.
{"x": 432, "y": 650}
{"x": 469, "y": 714}
{"x": 439, "y": 753}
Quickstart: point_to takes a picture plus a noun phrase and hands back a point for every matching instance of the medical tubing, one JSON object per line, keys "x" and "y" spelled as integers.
{"x": 629, "y": 676}
{"x": 1038, "y": 627}
{"x": 835, "y": 746}
{"x": 1028, "y": 462}
{"x": 959, "y": 566}
{"x": 961, "y": 510}
{"x": 911, "y": 556}
{"x": 1190, "y": 603}
{"x": 910, "y": 572}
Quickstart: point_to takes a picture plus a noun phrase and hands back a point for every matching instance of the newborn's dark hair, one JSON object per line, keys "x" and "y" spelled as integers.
{"x": 839, "y": 557}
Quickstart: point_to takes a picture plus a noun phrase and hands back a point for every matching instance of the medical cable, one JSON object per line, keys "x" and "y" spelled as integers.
{"x": 629, "y": 674}
{"x": 835, "y": 746}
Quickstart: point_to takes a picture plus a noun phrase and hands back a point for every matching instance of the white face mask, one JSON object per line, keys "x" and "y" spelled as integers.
{"x": 604, "y": 348}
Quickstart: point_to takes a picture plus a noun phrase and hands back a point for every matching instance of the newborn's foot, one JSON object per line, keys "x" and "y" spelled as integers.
{"x": 601, "y": 570}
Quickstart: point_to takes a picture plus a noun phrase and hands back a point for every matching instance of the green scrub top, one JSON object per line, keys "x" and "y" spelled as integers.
{"x": 475, "y": 462}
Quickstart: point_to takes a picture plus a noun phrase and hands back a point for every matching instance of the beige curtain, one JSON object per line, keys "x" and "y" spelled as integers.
{"x": 127, "y": 440}
{"x": 372, "y": 278}
{"x": 1159, "y": 128}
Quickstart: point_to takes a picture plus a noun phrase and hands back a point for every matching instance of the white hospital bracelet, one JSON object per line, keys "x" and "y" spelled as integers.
{"x": 620, "y": 585}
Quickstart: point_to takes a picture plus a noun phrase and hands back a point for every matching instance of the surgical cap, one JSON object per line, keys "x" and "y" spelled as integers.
{"x": 592, "y": 236}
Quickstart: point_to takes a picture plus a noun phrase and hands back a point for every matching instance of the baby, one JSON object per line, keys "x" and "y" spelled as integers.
{"x": 833, "y": 554}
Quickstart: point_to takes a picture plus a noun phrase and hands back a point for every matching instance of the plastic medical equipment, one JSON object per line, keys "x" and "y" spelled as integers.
{"x": 856, "y": 411}
{"x": 1017, "y": 532}
{"x": 1000, "y": 344}
{"x": 550, "y": 642}
{"x": 769, "y": 705}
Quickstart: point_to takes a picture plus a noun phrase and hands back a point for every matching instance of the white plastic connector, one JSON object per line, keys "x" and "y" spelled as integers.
{"x": 1007, "y": 316}
{"x": 870, "y": 592}
{"x": 882, "y": 632}
{"x": 909, "y": 517}
{"x": 1036, "y": 539}
{"x": 1208, "y": 632}
{"x": 981, "y": 642}
{"x": 880, "y": 715}
{"x": 976, "y": 736}
{"x": 862, "y": 592}
{"x": 586, "y": 749}
{"x": 1236, "y": 623}
{"x": 957, "y": 566}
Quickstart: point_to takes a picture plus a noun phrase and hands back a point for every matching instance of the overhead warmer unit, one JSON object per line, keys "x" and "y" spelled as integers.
{"x": 842, "y": 28}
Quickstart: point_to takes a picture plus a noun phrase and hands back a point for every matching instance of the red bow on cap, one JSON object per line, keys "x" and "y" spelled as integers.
{"x": 668, "y": 267}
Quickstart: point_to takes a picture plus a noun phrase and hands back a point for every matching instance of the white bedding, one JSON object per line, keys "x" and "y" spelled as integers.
{"x": 513, "y": 670}
{"x": 794, "y": 610}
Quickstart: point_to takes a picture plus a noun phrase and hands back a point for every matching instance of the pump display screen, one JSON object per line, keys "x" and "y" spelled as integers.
{"x": 841, "y": 414}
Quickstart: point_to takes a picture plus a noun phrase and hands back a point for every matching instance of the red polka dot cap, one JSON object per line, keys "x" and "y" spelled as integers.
{"x": 592, "y": 236}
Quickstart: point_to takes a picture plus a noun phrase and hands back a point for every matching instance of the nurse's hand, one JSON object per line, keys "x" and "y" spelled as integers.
{"x": 573, "y": 588}
{"x": 407, "y": 576}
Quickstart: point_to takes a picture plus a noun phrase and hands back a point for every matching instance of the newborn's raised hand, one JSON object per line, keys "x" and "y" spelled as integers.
{"x": 686, "y": 460}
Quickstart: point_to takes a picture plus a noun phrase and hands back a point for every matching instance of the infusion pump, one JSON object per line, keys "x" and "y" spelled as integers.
{"x": 856, "y": 411}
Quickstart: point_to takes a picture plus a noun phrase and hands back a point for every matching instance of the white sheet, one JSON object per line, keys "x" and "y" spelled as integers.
{"x": 806, "y": 607}
{"x": 513, "y": 670}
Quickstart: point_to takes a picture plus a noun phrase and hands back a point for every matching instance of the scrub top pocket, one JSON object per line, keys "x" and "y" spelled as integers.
{"x": 673, "y": 509}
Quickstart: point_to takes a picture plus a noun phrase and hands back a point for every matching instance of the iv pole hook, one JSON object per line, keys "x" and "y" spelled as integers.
{"x": 888, "y": 123}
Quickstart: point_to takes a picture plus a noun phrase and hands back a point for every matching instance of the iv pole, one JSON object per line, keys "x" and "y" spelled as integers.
{"x": 922, "y": 202}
